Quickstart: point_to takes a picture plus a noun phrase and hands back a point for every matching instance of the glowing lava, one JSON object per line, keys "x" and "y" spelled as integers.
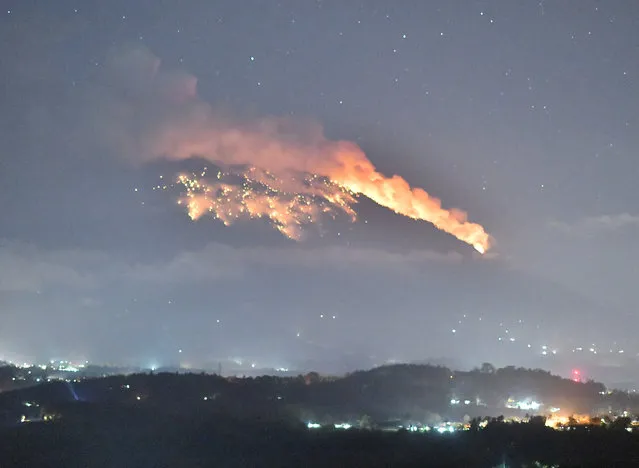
{"x": 251, "y": 193}
{"x": 300, "y": 199}
{"x": 357, "y": 174}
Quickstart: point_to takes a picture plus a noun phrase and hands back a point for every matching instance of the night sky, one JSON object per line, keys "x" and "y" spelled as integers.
{"x": 523, "y": 114}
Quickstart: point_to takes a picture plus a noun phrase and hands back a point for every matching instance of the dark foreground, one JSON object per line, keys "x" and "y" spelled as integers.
{"x": 110, "y": 437}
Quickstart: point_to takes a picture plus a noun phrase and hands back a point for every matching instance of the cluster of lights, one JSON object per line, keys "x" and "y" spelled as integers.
{"x": 455, "y": 401}
{"x": 526, "y": 405}
{"x": 441, "y": 429}
{"x": 506, "y": 335}
{"x": 63, "y": 366}
{"x": 342, "y": 426}
{"x": 252, "y": 193}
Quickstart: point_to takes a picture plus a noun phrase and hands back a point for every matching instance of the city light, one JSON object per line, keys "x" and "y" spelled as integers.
{"x": 342, "y": 426}
{"x": 526, "y": 405}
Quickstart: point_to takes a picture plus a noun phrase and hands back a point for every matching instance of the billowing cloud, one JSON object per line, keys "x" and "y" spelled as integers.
{"x": 29, "y": 269}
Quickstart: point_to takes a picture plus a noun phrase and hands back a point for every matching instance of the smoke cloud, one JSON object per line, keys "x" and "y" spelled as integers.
{"x": 284, "y": 170}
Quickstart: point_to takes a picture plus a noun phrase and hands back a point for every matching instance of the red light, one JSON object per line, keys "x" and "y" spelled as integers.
{"x": 576, "y": 375}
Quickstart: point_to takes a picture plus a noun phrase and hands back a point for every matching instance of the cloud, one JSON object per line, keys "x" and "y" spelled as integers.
{"x": 27, "y": 268}
{"x": 595, "y": 225}
{"x": 217, "y": 261}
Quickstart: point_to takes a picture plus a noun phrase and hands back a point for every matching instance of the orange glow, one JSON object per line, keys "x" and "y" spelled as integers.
{"x": 258, "y": 197}
{"x": 297, "y": 198}
{"x": 555, "y": 421}
{"x": 357, "y": 174}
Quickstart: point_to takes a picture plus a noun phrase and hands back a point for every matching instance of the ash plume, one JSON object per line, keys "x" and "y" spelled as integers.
{"x": 276, "y": 168}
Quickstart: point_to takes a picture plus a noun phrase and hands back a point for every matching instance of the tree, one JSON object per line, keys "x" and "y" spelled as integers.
{"x": 474, "y": 424}
{"x": 312, "y": 378}
{"x": 487, "y": 368}
{"x": 537, "y": 420}
{"x": 7, "y": 373}
{"x": 365, "y": 422}
{"x": 620, "y": 423}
